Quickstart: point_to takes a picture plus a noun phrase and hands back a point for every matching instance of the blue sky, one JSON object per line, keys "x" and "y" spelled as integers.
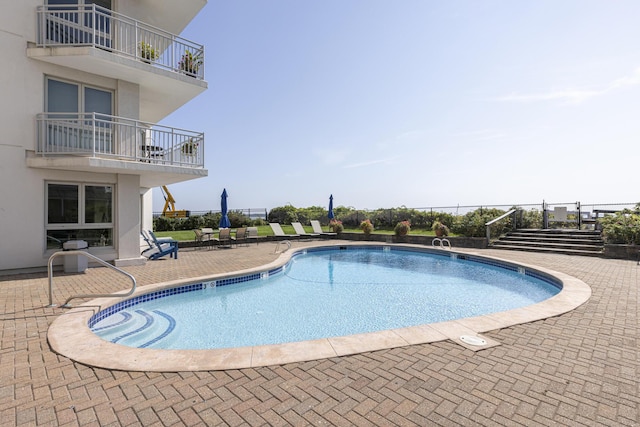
{"x": 416, "y": 103}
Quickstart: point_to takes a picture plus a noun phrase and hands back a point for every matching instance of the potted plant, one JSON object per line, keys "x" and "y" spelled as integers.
{"x": 402, "y": 228}
{"x": 336, "y": 225}
{"x": 366, "y": 226}
{"x": 190, "y": 148}
{"x": 440, "y": 229}
{"x": 148, "y": 53}
{"x": 190, "y": 63}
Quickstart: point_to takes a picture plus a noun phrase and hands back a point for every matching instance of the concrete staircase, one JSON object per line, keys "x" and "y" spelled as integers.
{"x": 570, "y": 242}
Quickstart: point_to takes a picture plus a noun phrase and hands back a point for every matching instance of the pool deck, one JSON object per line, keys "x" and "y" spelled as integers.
{"x": 578, "y": 368}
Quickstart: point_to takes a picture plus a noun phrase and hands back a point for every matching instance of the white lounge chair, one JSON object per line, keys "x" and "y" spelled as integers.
{"x": 279, "y": 232}
{"x": 299, "y": 229}
{"x": 317, "y": 228}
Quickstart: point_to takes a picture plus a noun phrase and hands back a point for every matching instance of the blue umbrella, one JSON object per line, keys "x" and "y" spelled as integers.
{"x": 224, "y": 221}
{"x": 330, "y": 214}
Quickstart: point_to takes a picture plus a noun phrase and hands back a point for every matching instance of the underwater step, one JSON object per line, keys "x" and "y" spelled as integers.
{"x": 140, "y": 330}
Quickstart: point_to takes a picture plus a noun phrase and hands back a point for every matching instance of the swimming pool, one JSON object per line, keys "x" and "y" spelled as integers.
{"x": 323, "y": 293}
{"x": 70, "y": 336}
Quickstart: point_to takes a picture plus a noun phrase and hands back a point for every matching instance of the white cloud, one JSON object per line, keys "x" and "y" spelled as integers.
{"x": 371, "y": 162}
{"x": 575, "y": 96}
{"x": 331, "y": 155}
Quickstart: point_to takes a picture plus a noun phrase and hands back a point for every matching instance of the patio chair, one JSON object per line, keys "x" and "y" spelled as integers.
{"x": 163, "y": 248}
{"x": 205, "y": 236}
{"x": 200, "y": 238}
{"x": 241, "y": 236}
{"x": 317, "y": 228}
{"x": 279, "y": 232}
{"x": 299, "y": 229}
{"x": 224, "y": 238}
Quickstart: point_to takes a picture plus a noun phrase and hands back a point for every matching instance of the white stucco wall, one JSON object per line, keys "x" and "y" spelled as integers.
{"x": 22, "y": 188}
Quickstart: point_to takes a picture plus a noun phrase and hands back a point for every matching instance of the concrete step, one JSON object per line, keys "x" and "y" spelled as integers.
{"x": 550, "y": 245}
{"x": 546, "y": 250}
{"x": 551, "y": 240}
{"x": 577, "y": 242}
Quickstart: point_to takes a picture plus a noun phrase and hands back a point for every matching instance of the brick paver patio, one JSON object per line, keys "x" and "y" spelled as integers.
{"x": 580, "y": 368}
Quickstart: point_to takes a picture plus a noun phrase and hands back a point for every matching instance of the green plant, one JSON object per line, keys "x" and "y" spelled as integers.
{"x": 366, "y": 226}
{"x": 336, "y": 225}
{"x": 440, "y": 229}
{"x": 190, "y": 63}
{"x": 190, "y": 148}
{"x": 622, "y": 227}
{"x": 147, "y": 52}
{"x": 402, "y": 228}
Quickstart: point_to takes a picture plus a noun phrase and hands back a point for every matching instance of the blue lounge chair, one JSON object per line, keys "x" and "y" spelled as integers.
{"x": 160, "y": 247}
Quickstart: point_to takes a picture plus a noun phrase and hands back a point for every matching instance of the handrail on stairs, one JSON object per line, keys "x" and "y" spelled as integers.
{"x": 99, "y": 261}
{"x": 493, "y": 221}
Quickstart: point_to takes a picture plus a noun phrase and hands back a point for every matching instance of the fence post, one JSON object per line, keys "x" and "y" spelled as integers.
{"x": 579, "y": 215}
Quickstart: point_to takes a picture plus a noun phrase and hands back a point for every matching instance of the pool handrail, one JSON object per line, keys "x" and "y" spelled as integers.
{"x": 94, "y": 258}
{"x": 488, "y": 224}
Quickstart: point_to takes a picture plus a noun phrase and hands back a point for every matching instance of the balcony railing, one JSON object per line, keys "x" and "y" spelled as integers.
{"x": 118, "y": 138}
{"x": 91, "y": 25}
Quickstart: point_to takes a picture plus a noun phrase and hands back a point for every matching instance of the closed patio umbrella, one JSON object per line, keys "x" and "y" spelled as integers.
{"x": 330, "y": 214}
{"x": 224, "y": 220}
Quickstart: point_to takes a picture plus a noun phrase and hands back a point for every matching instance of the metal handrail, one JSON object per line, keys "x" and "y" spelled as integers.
{"x": 95, "y": 258}
{"x": 488, "y": 224}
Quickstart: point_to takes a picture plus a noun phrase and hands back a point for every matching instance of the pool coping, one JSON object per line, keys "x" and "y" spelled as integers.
{"x": 70, "y": 336}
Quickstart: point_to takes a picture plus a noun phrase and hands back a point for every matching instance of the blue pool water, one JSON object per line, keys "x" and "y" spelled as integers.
{"x": 323, "y": 293}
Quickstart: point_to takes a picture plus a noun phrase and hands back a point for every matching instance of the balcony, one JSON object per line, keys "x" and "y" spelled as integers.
{"x": 100, "y": 143}
{"x": 168, "y": 68}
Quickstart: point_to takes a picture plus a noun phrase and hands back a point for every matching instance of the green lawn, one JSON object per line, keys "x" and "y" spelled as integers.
{"x": 265, "y": 230}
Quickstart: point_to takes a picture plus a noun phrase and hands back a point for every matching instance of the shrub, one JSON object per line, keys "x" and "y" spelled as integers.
{"x": 366, "y": 226}
{"x": 440, "y": 229}
{"x": 473, "y": 223}
{"x": 622, "y": 227}
{"x": 402, "y": 228}
{"x": 336, "y": 225}
{"x": 283, "y": 215}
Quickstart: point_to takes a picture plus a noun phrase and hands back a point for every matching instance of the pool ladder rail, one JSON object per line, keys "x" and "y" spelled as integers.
{"x": 99, "y": 261}
{"x": 277, "y": 249}
{"x": 441, "y": 243}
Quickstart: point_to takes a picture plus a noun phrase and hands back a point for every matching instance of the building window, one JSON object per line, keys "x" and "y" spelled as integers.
{"x": 73, "y": 22}
{"x": 79, "y": 212}
{"x": 80, "y": 117}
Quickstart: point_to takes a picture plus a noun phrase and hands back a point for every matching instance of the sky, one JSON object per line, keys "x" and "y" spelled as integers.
{"x": 416, "y": 103}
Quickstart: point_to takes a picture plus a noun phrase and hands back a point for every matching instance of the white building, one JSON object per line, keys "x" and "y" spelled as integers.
{"x": 83, "y": 85}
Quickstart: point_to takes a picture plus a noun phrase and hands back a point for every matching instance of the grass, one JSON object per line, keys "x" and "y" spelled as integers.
{"x": 265, "y": 230}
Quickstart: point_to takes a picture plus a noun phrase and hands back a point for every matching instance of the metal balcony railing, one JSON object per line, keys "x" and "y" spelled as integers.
{"x": 91, "y": 25}
{"x": 105, "y": 136}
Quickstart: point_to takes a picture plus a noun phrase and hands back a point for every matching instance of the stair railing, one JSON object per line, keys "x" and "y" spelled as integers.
{"x": 99, "y": 261}
{"x": 501, "y": 217}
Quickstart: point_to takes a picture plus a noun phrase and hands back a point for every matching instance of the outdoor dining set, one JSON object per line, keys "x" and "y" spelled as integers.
{"x": 224, "y": 237}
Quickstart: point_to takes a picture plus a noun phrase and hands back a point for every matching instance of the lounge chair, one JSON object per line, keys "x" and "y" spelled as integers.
{"x": 252, "y": 234}
{"x": 164, "y": 248}
{"x": 151, "y": 246}
{"x": 317, "y": 228}
{"x": 278, "y": 232}
{"x": 299, "y": 229}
